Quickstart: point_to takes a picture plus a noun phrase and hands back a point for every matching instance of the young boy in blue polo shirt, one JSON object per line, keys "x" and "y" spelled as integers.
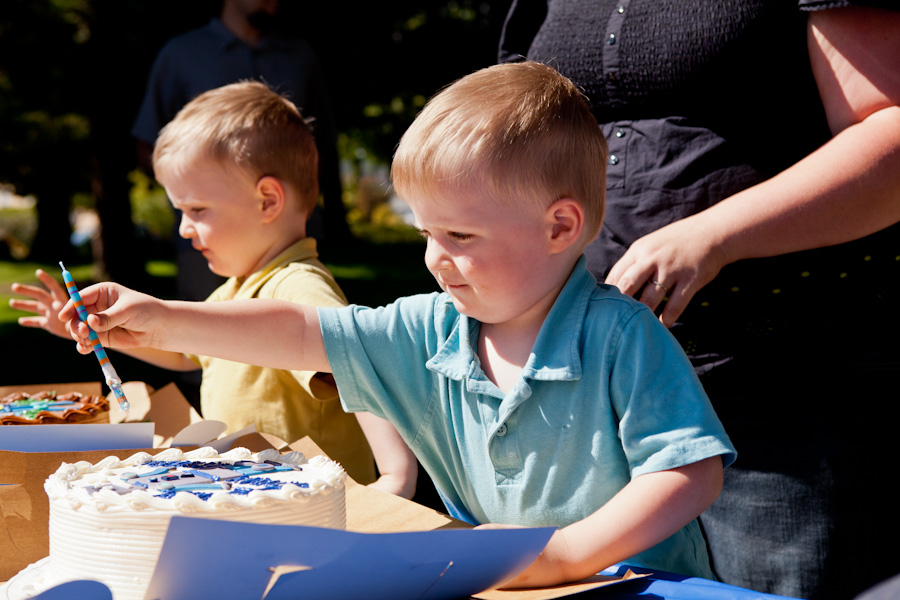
{"x": 532, "y": 395}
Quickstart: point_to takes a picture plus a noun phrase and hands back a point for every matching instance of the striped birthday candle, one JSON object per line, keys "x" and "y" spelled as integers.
{"x": 112, "y": 378}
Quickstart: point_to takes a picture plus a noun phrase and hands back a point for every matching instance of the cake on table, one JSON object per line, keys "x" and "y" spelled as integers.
{"x": 108, "y": 520}
{"x": 50, "y": 408}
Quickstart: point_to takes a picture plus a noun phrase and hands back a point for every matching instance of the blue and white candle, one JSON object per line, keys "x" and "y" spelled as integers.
{"x": 112, "y": 378}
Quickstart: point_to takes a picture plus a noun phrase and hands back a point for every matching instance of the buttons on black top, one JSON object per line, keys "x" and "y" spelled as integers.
{"x": 611, "y": 39}
{"x": 613, "y": 159}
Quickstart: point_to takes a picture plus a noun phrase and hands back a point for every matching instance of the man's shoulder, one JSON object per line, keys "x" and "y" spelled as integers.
{"x": 192, "y": 40}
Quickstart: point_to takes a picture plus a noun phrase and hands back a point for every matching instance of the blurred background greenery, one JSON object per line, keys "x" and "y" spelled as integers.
{"x": 72, "y": 75}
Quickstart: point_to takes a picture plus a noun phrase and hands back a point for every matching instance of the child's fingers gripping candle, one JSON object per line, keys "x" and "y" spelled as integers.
{"x": 112, "y": 378}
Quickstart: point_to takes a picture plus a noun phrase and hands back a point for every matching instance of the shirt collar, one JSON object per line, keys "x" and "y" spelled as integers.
{"x": 249, "y": 286}
{"x": 227, "y": 40}
{"x": 224, "y": 37}
{"x": 556, "y": 354}
{"x": 557, "y": 349}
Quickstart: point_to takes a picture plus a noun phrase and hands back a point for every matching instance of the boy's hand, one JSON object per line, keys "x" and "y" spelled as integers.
{"x": 549, "y": 568}
{"x": 121, "y": 317}
{"x": 45, "y": 303}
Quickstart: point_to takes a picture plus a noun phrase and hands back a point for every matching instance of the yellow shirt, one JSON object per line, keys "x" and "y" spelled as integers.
{"x": 288, "y": 404}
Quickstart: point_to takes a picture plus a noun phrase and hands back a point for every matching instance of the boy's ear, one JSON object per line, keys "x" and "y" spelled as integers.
{"x": 271, "y": 197}
{"x": 566, "y": 220}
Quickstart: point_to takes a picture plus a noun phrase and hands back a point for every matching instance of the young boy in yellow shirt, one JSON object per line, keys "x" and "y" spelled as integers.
{"x": 532, "y": 395}
{"x": 240, "y": 163}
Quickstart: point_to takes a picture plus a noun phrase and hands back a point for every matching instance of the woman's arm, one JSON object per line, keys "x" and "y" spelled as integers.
{"x": 645, "y": 512}
{"x": 845, "y": 190}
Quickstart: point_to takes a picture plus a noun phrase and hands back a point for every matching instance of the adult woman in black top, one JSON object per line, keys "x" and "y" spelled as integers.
{"x": 753, "y": 182}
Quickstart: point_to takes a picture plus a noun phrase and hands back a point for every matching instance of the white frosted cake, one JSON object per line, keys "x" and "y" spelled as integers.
{"x": 108, "y": 520}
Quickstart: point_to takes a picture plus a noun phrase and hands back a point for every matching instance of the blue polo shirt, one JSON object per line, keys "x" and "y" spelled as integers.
{"x": 606, "y": 395}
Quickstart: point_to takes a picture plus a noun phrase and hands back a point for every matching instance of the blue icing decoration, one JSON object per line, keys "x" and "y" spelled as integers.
{"x": 190, "y": 487}
{"x": 155, "y": 472}
{"x": 168, "y": 494}
{"x": 164, "y": 482}
{"x": 25, "y": 405}
{"x": 204, "y": 474}
{"x": 264, "y": 482}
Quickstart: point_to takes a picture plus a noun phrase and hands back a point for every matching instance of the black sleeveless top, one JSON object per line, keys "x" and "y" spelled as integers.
{"x": 700, "y": 99}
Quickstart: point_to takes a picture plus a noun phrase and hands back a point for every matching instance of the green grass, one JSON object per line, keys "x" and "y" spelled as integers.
{"x": 23, "y": 272}
{"x": 162, "y": 268}
{"x": 373, "y": 274}
{"x": 35, "y": 356}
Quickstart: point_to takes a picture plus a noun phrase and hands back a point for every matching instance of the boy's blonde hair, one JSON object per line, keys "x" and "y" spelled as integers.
{"x": 249, "y": 125}
{"x": 519, "y": 133}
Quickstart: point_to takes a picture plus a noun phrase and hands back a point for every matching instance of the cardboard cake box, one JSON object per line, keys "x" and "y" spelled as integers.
{"x": 165, "y": 418}
{"x": 30, "y": 453}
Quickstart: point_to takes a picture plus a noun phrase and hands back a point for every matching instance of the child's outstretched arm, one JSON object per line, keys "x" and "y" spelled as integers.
{"x": 268, "y": 333}
{"x": 46, "y": 303}
{"x": 645, "y": 512}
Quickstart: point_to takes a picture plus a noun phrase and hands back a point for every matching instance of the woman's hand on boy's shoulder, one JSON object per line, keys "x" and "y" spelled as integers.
{"x": 670, "y": 264}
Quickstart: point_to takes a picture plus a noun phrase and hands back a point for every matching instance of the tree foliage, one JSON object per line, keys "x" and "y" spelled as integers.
{"x": 384, "y": 63}
{"x": 72, "y": 74}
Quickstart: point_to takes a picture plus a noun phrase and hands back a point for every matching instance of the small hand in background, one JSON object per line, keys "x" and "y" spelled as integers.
{"x": 45, "y": 303}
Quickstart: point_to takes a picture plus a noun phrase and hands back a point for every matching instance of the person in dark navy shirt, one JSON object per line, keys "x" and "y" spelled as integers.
{"x": 243, "y": 43}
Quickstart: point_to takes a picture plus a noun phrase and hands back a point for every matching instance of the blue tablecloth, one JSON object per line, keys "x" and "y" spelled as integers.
{"x": 660, "y": 585}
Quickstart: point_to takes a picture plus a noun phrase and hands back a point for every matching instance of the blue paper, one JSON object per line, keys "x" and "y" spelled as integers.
{"x": 76, "y": 590}
{"x": 77, "y": 437}
{"x": 203, "y": 558}
{"x": 671, "y": 586}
